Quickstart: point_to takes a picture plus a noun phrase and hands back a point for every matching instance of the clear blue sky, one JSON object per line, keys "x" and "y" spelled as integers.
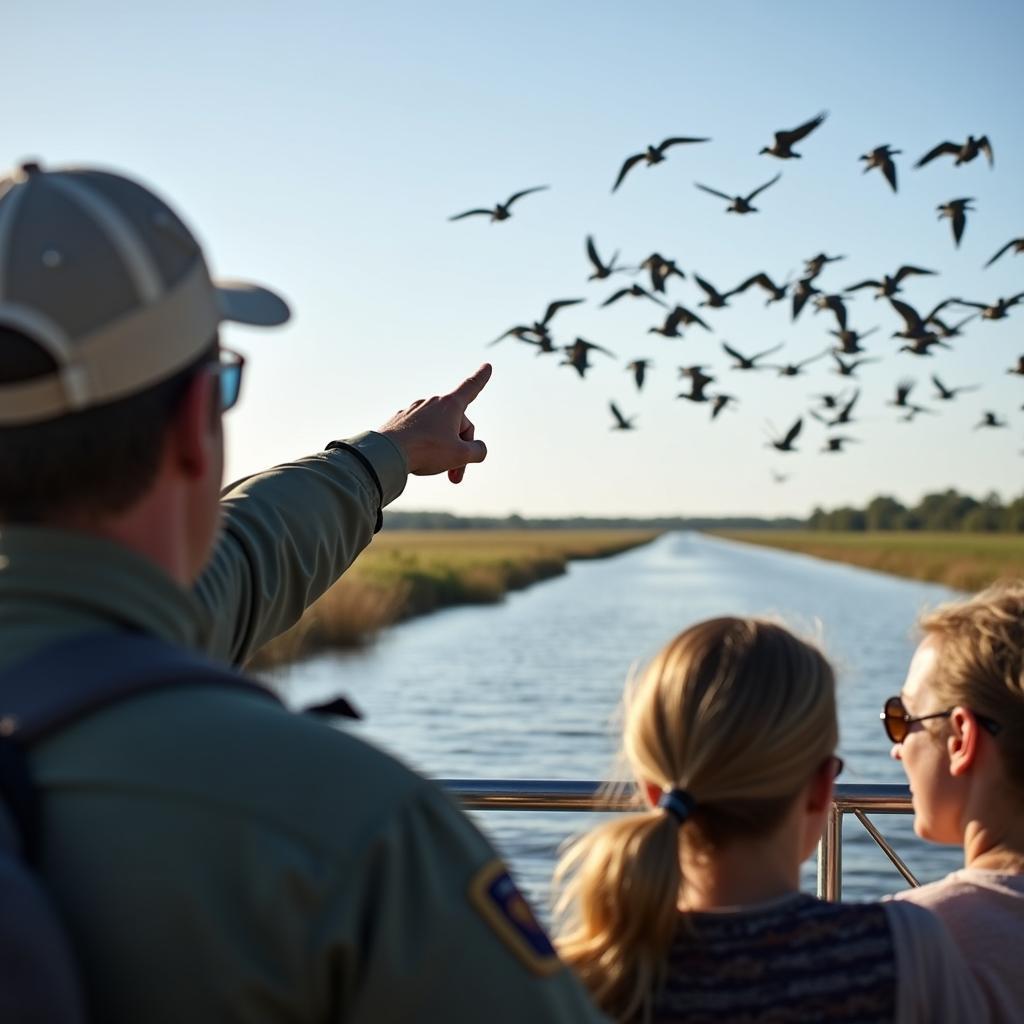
{"x": 320, "y": 147}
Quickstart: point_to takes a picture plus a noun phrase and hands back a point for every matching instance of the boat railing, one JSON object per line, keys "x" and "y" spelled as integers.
{"x": 552, "y": 795}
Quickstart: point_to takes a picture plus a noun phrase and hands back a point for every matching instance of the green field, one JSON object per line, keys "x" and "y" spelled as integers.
{"x": 967, "y": 561}
{"x": 412, "y": 572}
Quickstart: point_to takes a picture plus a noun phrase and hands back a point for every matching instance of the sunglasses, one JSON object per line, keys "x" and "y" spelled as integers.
{"x": 228, "y": 368}
{"x": 897, "y": 722}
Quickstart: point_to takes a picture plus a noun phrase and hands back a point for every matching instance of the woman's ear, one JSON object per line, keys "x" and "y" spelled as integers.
{"x": 962, "y": 744}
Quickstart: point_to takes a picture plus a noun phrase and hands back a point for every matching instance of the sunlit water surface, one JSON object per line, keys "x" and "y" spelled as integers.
{"x": 529, "y": 689}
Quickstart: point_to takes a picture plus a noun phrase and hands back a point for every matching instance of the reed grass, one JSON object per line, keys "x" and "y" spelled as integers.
{"x": 408, "y": 573}
{"x": 964, "y": 561}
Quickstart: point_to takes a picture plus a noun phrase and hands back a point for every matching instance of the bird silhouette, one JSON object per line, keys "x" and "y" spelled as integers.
{"x": 944, "y": 330}
{"x": 844, "y": 415}
{"x": 601, "y": 270}
{"x": 634, "y": 290}
{"x": 835, "y": 444}
{"x": 539, "y": 328}
{"x": 762, "y": 280}
{"x": 956, "y": 210}
{"x": 902, "y": 400}
{"x": 802, "y": 291}
{"x": 1017, "y": 244}
{"x": 785, "y": 443}
{"x": 990, "y": 419}
{"x": 998, "y": 310}
{"x": 739, "y": 204}
{"x": 652, "y": 155}
{"x": 699, "y": 380}
{"x": 795, "y": 369}
{"x": 715, "y": 299}
{"x": 577, "y": 355}
{"x": 834, "y": 303}
{"x": 888, "y": 285}
{"x": 782, "y": 147}
{"x": 849, "y": 369}
{"x": 816, "y": 264}
{"x": 1019, "y": 368}
{"x": 849, "y": 341}
{"x": 661, "y": 270}
{"x": 915, "y": 326}
{"x": 881, "y": 157}
{"x": 639, "y": 368}
{"x": 947, "y": 394}
{"x": 679, "y": 315}
{"x": 962, "y": 154}
{"x": 621, "y": 423}
{"x": 748, "y": 362}
{"x": 500, "y": 210}
{"x": 719, "y": 402}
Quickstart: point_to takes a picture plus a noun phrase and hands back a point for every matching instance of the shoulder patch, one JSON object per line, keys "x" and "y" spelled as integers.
{"x": 500, "y": 903}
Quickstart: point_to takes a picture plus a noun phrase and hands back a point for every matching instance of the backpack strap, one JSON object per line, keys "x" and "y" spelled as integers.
{"x": 71, "y": 679}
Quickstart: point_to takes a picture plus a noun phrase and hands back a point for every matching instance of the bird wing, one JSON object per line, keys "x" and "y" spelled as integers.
{"x": 555, "y": 306}
{"x": 766, "y": 352}
{"x": 589, "y": 346}
{"x": 793, "y": 432}
{"x": 630, "y": 161}
{"x": 811, "y": 359}
{"x": 761, "y": 279}
{"x": 959, "y": 223}
{"x": 869, "y": 283}
{"x": 526, "y": 191}
{"x": 848, "y": 408}
{"x": 906, "y": 270}
{"x": 709, "y": 289}
{"x": 938, "y": 309}
{"x": 796, "y": 134}
{"x": 1012, "y": 242}
{"x": 889, "y": 170}
{"x": 471, "y": 213}
{"x": 614, "y": 298}
{"x": 1013, "y": 300}
{"x": 675, "y": 140}
{"x": 761, "y": 188}
{"x": 964, "y": 302}
{"x": 942, "y": 148}
{"x": 517, "y": 331}
{"x": 910, "y": 315}
{"x": 713, "y": 191}
{"x": 943, "y": 390}
{"x": 732, "y": 352}
{"x": 986, "y": 147}
{"x": 618, "y": 415}
{"x": 592, "y": 254}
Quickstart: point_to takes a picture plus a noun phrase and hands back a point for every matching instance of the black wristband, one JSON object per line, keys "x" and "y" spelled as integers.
{"x": 368, "y": 466}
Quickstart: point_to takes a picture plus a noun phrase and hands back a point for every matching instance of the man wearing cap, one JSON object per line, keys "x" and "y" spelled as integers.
{"x": 215, "y": 858}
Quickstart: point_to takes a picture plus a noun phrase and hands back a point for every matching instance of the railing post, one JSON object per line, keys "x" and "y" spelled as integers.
{"x": 830, "y": 857}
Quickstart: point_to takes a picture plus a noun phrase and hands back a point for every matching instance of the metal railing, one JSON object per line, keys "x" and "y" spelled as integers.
{"x": 548, "y": 795}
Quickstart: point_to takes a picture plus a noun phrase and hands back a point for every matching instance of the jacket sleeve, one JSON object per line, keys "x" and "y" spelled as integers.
{"x": 445, "y": 934}
{"x": 287, "y": 534}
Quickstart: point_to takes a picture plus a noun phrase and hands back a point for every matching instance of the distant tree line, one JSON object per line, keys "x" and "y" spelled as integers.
{"x": 448, "y": 521}
{"x": 947, "y": 510}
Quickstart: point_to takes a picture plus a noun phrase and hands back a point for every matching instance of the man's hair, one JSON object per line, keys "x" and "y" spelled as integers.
{"x": 96, "y": 462}
{"x": 981, "y": 664}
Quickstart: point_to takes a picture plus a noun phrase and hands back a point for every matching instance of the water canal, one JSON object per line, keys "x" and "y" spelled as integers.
{"x": 529, "y": 688}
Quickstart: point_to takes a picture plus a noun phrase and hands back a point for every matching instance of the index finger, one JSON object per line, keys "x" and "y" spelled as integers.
{"x": 473, "y": 385}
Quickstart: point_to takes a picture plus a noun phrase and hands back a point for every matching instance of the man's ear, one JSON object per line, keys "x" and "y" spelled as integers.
{"x": 195, "y": 427}
{"x": 962, "y": 744}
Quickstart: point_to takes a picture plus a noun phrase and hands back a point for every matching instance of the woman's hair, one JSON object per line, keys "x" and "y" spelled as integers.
{"x": 737, "y": 712}
{"x": 981, "y": 664}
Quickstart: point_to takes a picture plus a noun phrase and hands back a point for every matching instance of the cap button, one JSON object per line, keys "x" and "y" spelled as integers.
{"x": 30, "y": 167}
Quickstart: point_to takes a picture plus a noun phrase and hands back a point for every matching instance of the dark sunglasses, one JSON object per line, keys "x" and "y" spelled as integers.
{"x": 228, "y": 367}
{"x": 897, "y": 722}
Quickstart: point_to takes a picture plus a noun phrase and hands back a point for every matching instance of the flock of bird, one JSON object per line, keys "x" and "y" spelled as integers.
{"x": 921, "y": 331}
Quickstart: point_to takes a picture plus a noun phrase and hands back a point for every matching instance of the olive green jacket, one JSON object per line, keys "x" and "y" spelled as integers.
{"x": 217, "y": 859}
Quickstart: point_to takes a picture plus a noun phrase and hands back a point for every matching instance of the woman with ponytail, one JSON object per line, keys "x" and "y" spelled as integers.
{"x": 690, "y": 910}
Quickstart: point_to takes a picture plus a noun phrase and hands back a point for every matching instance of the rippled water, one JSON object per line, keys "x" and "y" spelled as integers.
{"x": 529, "y": 688}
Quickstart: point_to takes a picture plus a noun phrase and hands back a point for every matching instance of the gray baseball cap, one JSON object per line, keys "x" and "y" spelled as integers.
{"x": 107, "y": 279}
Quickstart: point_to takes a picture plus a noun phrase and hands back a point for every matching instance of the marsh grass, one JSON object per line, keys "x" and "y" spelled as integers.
{"x": 965, "y": 561}
{"x": 408, "y": 573}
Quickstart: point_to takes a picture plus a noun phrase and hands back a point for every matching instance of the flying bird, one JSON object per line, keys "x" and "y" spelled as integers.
{"x": 775, "y": 292}
{"x": 699, "y": 380}
{"x": 1017, "y": 244}
{"x": 785, "y": 444}
{"x": 748, "y": 362}
{"x": 636, "y": 291}
{"x": 915, "y": 327}
{"x": 998, "y": 310}
{"x": 621, "y": 423}
{"x": 539, "y": 328}
{"x": 844, "y": 415}
{"x": 816, "y": 264}
{"x": 719, "y": 403}
{"x": 500, "y": 210}
{"x": 739, "y": 204}
{"x": 947, "y": 394}
{"x": 849, "y": 341}
{"x": 715, "y": 299}
{"x": 802, "y": 291}
{"x": 990, "y": 419}
{"x": 956, "y": 210}
{"x": 679, "y": 315}
{"x": 849, "y": 369}
{"x": 601, "y": 270}
{"x": 922, "y": 346}
{"x": 795, "y": 369}
{"x": 889, "y": 284}
{"x": 652, "y": 155}
{"x": 1019, "y": 368}
{"x": 835, "y": 444}
{"x": 639, "y": 368}
{"x": 881, "y": 157}
{"x": 835, "y": 304}
{"x": 577, "y": 353}
{"x": 660, "y": 270}
{"x": 962, "y": 154}
{"x": 782, "y": 147}
{"x": 944, "y": 330}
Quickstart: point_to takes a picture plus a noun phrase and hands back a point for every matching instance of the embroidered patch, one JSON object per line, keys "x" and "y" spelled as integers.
{"x": 505, "y": 909}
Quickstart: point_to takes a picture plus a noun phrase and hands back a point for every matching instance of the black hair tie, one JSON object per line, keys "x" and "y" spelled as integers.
{"x": 678, "y": 802}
